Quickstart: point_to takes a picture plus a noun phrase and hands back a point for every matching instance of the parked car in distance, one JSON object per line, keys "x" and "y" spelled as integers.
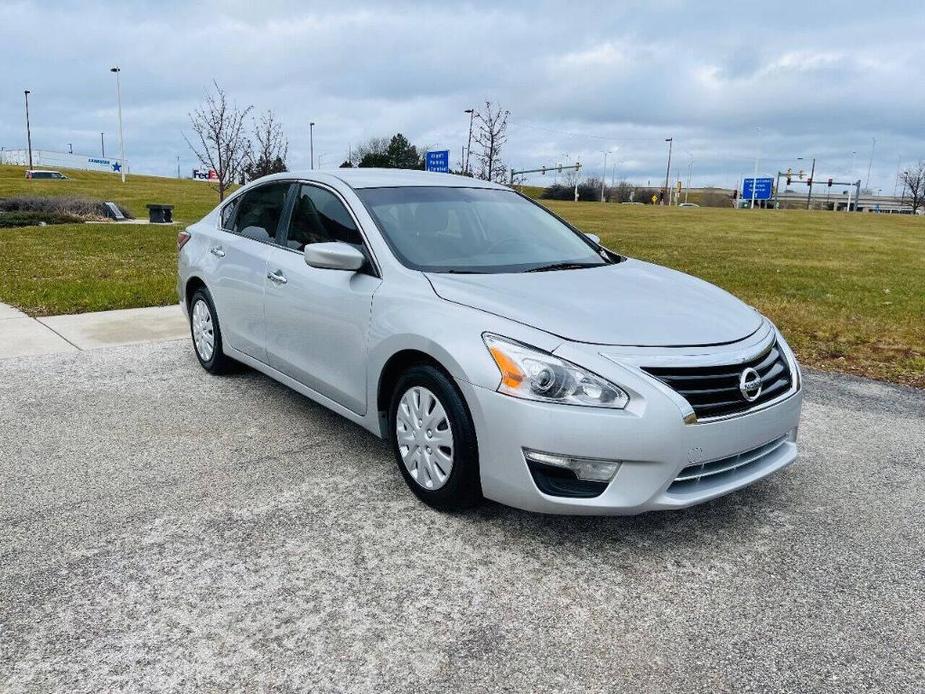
{"x": 501, "y": 352}
{"x": 40, "y": 173}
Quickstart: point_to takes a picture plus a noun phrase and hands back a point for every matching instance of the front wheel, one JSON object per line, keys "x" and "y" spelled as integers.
{"x": 434, "y": 441}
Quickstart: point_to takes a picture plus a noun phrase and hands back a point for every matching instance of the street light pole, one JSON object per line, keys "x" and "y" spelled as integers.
{"x": 28, "y": 129}
{"x": 70, "y": 148}
{"x": 665, "y": 200}
{"x": 604, "y": 175}
{"x": 873, "y": 144}
{"x": 117, "y": 70}
{"x": 311, "y": 143}
{"x": 755, "y": 176}
{"x": 471, "y": 112}
{"x": 102, "y": 146}
{"x": 690, "y": 170}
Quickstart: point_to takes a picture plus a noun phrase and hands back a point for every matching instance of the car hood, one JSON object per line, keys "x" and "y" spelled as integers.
{"x": 628, "y": 303}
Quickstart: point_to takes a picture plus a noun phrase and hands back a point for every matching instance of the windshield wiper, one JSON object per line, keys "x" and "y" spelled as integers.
{"x": 563, "y": 266}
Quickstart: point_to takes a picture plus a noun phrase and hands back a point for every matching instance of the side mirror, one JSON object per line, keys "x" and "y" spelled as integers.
{"x": 334, "y": 255}
{"x": 595, "y": 238}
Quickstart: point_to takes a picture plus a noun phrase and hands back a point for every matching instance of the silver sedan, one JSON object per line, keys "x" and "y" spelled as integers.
{"x": 502, "y": 352}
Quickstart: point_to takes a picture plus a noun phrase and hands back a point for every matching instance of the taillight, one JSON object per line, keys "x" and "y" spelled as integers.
{"x": 182, "y": 238}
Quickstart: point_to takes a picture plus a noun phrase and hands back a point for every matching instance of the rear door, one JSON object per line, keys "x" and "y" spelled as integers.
{"x": 240, "y": 273}
{"x": 318, "y": 319}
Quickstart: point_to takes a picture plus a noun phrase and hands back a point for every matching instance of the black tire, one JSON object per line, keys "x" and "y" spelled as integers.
{"x": 463, "y": 488}
{"x": 218, "y": 362}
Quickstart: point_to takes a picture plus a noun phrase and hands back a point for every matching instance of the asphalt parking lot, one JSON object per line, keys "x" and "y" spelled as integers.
{"x": 167, "y": 530}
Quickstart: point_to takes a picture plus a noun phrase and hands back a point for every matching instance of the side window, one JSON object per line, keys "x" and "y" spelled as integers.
{"x": 259, "y": 211}
{"x": 319, "y": 216}
{"x": 228, "y": 215}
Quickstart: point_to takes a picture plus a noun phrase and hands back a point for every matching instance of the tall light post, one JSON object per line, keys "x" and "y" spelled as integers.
{"x": 70, "y": 148}
{"x": 28, "y": 128}
{"x": 117, "y": 70}
{"x": 102, "y": 146}
{"x": 669, "y": 140}
{"x": 311, "y": 143}
{"x": 873, "y": 144}
{"x": 471, "y": 112}
{"x": 604, "y": 174}
{"x": 755, "y": 176}
{"x": 690, "y": 170}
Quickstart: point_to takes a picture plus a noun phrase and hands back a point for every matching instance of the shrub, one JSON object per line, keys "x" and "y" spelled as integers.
{"x": 83, "y": 208}
{"x": 29, "y": 219}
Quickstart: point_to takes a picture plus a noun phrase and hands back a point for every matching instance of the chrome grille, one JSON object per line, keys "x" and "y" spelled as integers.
{"x": 725, "y": 469}
{"x": 713, "y": 391}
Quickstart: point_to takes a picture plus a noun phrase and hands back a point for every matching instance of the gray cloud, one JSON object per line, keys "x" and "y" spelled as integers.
{"x": 819, "y": 79}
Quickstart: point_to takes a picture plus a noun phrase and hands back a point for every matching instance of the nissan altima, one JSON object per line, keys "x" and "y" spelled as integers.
{"x": 503, "y": 353}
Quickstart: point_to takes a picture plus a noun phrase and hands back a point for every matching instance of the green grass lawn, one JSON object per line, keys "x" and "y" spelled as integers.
{"x": 848, "y": 290}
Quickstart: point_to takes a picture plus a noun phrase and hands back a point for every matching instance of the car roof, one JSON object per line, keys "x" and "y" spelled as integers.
{"x": 387, "y": 178}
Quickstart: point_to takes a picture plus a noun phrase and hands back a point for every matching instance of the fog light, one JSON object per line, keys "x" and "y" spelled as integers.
{"x": 588, "y": 469}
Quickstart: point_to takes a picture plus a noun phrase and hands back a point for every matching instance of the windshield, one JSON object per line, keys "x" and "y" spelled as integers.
{"x": 478, "y": 230}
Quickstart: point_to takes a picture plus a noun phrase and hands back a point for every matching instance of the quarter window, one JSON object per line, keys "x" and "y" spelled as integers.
{"x": 318, "y": 216}
{"x": 228, "y": 214}
{"x": 259, "y": 211}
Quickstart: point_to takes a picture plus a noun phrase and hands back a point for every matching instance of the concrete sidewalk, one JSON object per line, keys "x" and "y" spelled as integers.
{"x": 21, "y": 335}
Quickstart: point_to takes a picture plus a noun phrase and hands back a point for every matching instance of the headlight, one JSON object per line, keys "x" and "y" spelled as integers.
{"x": 534, "y": 375}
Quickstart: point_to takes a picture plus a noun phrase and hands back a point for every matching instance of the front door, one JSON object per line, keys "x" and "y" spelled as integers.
{"x": 240, "y": 274}
{"x": 317, "y": 320}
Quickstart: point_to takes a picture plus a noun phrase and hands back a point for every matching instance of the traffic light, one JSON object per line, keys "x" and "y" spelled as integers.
{"x": 830, "y": 183}
{"x": 801, "y": 174}
{"x": 788, "y": 179}
{"x": 809, "y": 181}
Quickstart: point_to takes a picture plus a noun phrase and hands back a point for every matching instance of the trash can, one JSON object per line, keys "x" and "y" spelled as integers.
{"x": 160, "y": 214}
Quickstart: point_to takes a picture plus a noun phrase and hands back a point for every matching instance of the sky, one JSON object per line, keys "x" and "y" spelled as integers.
{"x": 728, "y": 81}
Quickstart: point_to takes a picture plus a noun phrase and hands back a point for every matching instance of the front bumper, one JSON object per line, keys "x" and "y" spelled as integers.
{"x": 650, "y": 438}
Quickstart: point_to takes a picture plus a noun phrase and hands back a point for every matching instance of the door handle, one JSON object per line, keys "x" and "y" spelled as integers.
{"x": 278, "y": 277}
{"x": 217, "y": 251}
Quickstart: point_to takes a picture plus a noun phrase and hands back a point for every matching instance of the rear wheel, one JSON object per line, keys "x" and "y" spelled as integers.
{"x": 433, "y": 439}
{"x": 207, "y": 335}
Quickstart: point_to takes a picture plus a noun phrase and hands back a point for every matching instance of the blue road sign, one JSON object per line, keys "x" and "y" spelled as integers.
{"x": 438, "y": 161}
{"x": 763, "y": 190}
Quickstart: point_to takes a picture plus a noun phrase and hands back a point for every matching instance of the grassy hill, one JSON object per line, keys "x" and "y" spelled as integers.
{"x": 847, "y": 289}
{"x": 192, "y": 199}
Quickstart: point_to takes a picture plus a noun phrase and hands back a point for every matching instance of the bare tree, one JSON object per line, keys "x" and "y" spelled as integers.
{"x": 268, "y": 149}
{"x": 221, "y": 141}
{"x": 914, "y": 182}
{"x": 490, "y": 135}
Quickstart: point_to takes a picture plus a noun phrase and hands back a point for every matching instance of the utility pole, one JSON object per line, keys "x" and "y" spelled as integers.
{"x": 604, "y": 176}
{"x": 311, "y": 142}
{"x": 471, "y": 112}
{"x": 757, "y": 158}
{"x": 667, "y": 170}
{"x": 28, "y": 129}
{"x": 809, "y": 195}
{"x": 102, "y": 146}
{"x": 117, "y": 70}
{"x": 178, "y": 166}
{"x": 873, "y": 144}
{"x": 690, "y": 170}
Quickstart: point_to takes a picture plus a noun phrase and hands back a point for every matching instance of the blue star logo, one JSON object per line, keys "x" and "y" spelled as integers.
{"x": 116, "y": 166}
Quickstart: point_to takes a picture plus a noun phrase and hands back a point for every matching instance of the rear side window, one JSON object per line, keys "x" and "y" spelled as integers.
{"x": 319, "y": 216}
{"x": 259, "y": 210}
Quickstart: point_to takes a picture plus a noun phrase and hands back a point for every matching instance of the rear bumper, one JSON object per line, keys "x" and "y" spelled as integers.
{"x": 650, "y": 439}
